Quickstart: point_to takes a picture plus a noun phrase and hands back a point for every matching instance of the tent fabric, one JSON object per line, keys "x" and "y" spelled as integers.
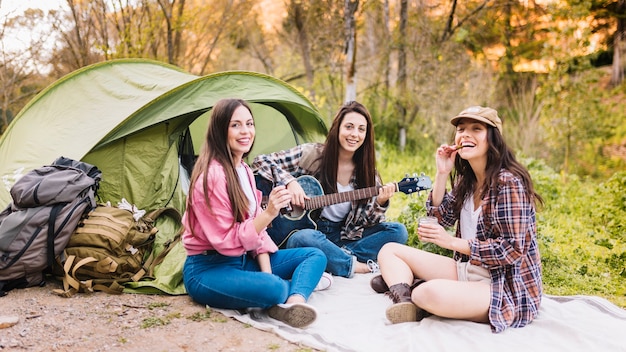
{"x": 128, "y": 117}
{"x": 92, "y": 109}
{"x": 72, "y": 115}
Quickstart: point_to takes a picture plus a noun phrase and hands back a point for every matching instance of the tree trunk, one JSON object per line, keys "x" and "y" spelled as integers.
{"x": 178, "y": 36}
{"x": 167, "y": 8}
{"x": 80, "y": 51}
{"x": 448, "y": 31}
{"x": 385, "y": 63}
{"x": 350, "y": 8}
{"x": 508, "y": 34}
{"x": 402, "y": 138}
{"x": 401, "y": 80}
{"x": 299, "y": 19}
{"x": 619, "y": 46}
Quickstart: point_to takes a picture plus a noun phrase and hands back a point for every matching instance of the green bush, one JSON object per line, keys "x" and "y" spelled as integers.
{"x": 582, "y": 239}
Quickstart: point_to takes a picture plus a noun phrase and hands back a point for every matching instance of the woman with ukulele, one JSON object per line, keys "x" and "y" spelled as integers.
{"x": 349, "y": 233}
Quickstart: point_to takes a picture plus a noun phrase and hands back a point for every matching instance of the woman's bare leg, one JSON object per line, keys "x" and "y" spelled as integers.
{"x": 454, "y": 299}
{"x": 401, "y": 264}
{"x": 442, "y": 294}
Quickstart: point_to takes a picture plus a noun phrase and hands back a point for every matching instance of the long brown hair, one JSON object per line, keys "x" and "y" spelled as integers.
{"x": 216, "y": 147}
{"x": 499, "y": 156}
{"x": 364, "y": 158}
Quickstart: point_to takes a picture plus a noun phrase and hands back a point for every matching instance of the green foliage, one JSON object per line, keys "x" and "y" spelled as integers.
{"x": 408, "y": 209}
{"x": 154, "y": 321}
{"x": 581, "y": 235}
{"x": 409, "y": 217}
{"x": 156, "y": 305}
{"x": 609, "y": 210}
{"x": 200, "y": 316}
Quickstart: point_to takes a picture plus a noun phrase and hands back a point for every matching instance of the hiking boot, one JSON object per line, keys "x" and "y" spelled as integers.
{"x": 297, "y": 315}
{"x": 400, "y": 293}
{"x": 403, "y": 310}
{"x": 378, "y": 284}
{"x": 416, "y": 282}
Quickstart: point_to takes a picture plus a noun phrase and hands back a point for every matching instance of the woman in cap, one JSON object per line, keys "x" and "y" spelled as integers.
{"x": 495, "y": 275}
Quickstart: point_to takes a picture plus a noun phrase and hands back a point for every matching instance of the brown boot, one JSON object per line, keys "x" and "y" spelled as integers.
{"x": 379, "y": 285}
{"x": 403, "y": 310}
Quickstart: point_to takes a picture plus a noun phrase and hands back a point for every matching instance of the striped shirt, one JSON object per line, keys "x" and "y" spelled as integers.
{"x": 506, "y": 245}
{"x": 303, "y": 159}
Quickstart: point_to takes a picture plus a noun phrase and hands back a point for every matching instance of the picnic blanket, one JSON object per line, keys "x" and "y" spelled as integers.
{"x": 351, "y": 317}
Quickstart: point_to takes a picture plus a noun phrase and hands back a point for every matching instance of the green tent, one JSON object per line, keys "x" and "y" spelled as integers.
{"x": 139, "y": 121}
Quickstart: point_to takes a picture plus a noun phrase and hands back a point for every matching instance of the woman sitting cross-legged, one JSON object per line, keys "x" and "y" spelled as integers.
{"x": 495, "y": 276}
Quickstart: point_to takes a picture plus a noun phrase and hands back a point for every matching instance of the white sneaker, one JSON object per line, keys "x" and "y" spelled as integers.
{"x": 298, "y": 315}
{"x": 325, "y": 282}
{"x": 373, "y": 266}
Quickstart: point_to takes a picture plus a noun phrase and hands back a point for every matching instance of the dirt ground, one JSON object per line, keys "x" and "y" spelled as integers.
{"x": 127, "y": 322}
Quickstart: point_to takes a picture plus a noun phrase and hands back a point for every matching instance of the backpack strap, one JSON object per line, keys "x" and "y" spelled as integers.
{"x": 171, "y": 212}
{"x": 72, "y": 285}
{"x": 52, "y": 234}
{"x": 152, "y": 261}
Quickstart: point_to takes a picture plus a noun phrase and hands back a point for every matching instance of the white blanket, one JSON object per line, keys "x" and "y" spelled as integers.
{"x": 351, "y": 317}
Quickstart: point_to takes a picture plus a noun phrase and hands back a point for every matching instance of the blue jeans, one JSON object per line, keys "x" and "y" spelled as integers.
{"x": 341, "y": 254}
{"x": 236, "y": 282}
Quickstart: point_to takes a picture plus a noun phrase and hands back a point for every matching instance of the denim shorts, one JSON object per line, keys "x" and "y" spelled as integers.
{"x": 470, "y": 272}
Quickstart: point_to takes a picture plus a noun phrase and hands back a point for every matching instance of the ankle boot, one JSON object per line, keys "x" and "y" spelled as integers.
{"x": 403, "y": 310}
{"x": 379, "y": 285}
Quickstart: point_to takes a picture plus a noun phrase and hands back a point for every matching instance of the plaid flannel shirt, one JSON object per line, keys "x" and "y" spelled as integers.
{"x": 303, "y": 159}
{"x": 506, "y": 245}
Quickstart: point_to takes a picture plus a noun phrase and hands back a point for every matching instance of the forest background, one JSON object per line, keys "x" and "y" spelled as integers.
{"x": 554, "y": 69}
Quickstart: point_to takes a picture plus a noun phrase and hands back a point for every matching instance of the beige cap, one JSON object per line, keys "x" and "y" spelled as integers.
{"x": 482, "y": 114}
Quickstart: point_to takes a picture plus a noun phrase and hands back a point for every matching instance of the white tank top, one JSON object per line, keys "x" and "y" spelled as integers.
{"x": 244, "y": 181}
{"x": 469, "y": 218}
{"x": 338, "y": 212}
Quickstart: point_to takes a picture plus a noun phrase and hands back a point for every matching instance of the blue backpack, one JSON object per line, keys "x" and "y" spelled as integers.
{"x": 48, "y": 203}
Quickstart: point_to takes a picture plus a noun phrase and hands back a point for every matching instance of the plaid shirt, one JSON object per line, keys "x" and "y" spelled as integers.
{"x": 506, "y": 245}
{"x": 303, "y": 159}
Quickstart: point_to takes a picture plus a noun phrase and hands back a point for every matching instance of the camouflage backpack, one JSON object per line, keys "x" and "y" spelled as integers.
{"x": 109, "y": 247}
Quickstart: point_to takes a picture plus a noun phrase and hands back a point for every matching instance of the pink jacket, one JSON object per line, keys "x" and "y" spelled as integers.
{"x": 214, "y": 228}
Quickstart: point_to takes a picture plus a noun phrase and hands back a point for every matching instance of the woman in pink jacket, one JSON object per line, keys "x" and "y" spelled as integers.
{"x": 231, "y": 262}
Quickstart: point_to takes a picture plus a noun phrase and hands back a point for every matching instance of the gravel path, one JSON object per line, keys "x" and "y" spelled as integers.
{"x": 127, "y": 322}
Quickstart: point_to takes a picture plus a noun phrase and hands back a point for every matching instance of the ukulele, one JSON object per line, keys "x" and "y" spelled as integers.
{"x": 284, "y": 225}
